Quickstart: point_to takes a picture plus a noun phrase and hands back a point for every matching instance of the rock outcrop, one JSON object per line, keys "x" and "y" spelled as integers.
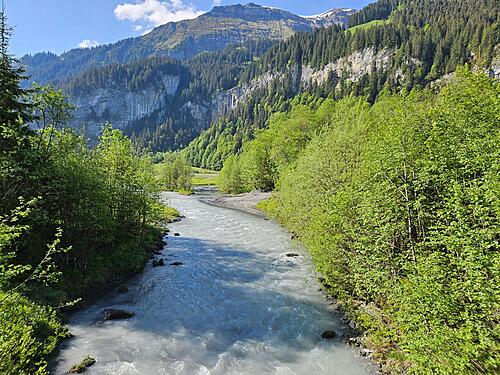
{"x": 119, "y": 107}
{"x": 112, "y": 314}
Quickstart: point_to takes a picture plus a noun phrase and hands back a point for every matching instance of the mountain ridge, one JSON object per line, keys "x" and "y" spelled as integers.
{"x": 211, "y": 31}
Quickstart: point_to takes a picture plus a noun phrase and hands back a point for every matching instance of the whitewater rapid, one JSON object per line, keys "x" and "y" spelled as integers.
{"x": 237, "y": 305}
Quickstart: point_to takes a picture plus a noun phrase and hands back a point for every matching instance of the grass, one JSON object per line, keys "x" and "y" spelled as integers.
{"x": 368, "y": 25}
{"x": 170, "y": 213}
{"x": 204, "y": 177}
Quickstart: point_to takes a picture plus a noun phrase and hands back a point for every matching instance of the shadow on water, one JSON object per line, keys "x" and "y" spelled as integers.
{"x": 218, "y": 300}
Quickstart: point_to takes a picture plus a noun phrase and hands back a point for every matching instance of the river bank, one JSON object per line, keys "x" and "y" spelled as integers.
{"x": 246, "y": 202}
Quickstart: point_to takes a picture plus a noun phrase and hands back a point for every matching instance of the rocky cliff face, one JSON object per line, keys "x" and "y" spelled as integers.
{"x": 351, "y": 67}
{"x": 121, "y": 108}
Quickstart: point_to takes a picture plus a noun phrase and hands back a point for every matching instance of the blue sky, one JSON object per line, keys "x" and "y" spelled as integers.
{"x": 60, "y": 25}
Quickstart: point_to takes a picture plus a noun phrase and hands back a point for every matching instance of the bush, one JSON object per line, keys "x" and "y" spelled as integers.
{"x": 28, "y": 335}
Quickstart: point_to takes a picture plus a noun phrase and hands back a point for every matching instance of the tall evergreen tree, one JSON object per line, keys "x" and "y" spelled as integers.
{"x": 14, "y": 107}
{"x": 15, "y": 114}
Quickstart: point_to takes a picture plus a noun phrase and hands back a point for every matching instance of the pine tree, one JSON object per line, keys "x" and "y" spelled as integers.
{"x": 13, "y": 104}
{"x": 15, "y": 148}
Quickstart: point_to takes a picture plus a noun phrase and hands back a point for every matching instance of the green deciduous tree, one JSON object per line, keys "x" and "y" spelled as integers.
{"x": 397, "y": 202}
{"x": 175, "y": 173}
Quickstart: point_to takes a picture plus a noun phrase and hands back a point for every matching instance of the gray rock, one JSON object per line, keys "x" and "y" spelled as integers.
{"x": 366, "y": 352}
{"x": 329, "y": 335}
{"x": 112, "y": 314}
{"x": 158, "y": 262}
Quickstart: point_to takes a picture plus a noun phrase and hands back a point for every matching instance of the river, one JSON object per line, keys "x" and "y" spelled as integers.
{"x": 237, "y": 305}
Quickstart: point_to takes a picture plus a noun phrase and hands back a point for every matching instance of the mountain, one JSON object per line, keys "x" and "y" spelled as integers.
{"x": 331, "y": 17}
{"x": 165, "y": 87}
{"x": 163, "y": 103}
{"x": 391, "y": 45}
{"x": 211, "y": 31}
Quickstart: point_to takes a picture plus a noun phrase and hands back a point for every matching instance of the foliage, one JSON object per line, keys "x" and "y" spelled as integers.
{"x": 73, "y": 219}
{"x": 28, "y": 334}
{"x": 175, "y": 173}
{"x": 230, "y": 179}
{"x": 273, "y": 150}
{"x": 398, "y": 206}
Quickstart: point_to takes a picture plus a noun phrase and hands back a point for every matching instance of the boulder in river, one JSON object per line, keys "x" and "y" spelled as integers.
{"x": 329, "y": 335}
{"x": 158, "y": 262}
{"x": 176, "y": 264}
{"x": 292, "y": 255}
{"x": 112, "y": 314}
{"x": 177, "y": 234}
{"x": 82, "y": 366}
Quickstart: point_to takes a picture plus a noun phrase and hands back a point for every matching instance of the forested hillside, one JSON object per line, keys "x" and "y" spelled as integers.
{"x": 73, "y": 219}
{"x": 410, "y": 44}
{"x": 161, "y": 103}
{"x": 397, "y": 202}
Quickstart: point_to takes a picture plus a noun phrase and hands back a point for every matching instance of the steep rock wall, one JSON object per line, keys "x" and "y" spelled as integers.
{"x": 120, "y": 106}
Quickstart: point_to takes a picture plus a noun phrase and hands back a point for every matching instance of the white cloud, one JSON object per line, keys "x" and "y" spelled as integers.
{"x": 87, "y": 43}
{"x": 217, "y": 3}
{"x": 151, "y": 13}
